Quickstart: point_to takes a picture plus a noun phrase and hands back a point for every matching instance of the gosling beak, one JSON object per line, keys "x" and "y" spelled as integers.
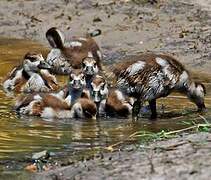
{"x": 96, "y": 97}
{"x": 94, "y": 117}
{"x": 202, "y": 108}
{"x": 76, "y": 84}
{"x": 89, "y": 70}
{"x": 44, "y": 65}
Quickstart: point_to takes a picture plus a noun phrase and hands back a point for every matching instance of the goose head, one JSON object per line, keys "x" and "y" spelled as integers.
{"x": 55, "y": 38}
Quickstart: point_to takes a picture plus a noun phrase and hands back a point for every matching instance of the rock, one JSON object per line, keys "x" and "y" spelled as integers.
{"x": 97, "y": 19}
{"x": 41, "y": 155}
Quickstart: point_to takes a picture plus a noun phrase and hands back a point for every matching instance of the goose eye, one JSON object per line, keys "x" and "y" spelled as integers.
{"x": 95, "y": 64}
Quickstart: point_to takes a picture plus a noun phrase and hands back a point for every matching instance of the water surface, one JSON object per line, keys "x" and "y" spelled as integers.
{"x": 22, "y": 136}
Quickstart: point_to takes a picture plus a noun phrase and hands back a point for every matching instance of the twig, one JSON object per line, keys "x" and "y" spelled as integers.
{"x": 152, "y": 168}
{"x": 205, "y": 120}
{"x": 184, "y": 97}
{"x": 110, "y": 148}
{"x": 160, "y": 134}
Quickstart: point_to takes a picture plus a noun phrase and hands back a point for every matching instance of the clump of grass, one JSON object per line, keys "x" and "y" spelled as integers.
{"x": 146, "y": 136}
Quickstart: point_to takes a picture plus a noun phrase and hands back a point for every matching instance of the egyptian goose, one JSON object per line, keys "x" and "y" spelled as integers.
{"x": 67, "y": 55}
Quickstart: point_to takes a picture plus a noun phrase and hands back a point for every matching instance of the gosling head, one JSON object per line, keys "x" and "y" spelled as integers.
{"x": 77, "y": 79}
{"x": 99, "y": 90}
{"x": 89, "y": 66}
{"x": 197, "y": 92}
{"x": 84, "y": 108}
{"x": 33, "y": 62}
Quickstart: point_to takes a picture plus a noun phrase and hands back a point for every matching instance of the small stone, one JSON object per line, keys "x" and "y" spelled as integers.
{"x": 181, "y": 35}
{"x": 69, "y": 18}
{"x": 97, "y": 19}
{"x": 43, "y": 154}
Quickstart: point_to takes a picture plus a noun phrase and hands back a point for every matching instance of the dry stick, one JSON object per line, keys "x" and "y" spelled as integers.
{"x": 188, "y": 128}
{"x": 120, "y": 142}
{"x": 206, "y": 83}
{"x": 205, "y": 120}
{"x": 184, "y": 97}
{"x": 152, "y": 168}
{"x": 135, "y": 134}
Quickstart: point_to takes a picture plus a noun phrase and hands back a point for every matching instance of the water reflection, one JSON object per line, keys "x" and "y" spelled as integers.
{"x": 21, "y": 136}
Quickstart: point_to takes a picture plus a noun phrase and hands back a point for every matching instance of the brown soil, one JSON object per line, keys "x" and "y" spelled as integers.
{"x": 178, "y": 27}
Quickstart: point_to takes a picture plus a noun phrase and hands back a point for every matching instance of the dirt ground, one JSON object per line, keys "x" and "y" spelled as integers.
{"x": 178, "y": 27}
{"x": 185, "y": 157}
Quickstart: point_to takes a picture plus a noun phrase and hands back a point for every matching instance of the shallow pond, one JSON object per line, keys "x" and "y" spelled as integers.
{"x": 22, "y": 136}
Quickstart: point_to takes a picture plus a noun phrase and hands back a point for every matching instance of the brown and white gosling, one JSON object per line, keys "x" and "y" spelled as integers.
{"x": 148, "y": 77}
{"x": 80, "y": 81}
{"x": 67, "y": 55}
{"x": 50, "y": 106}
{"x": 70, "y": 102}
{"x": 31, "y": 76}
{"x": 75, "y": 89}
{"x": 111, "y": 102}
{"x": 90, "y": 70}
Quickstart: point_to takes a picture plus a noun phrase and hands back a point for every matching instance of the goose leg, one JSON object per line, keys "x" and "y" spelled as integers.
{"x": 136, "y": 108}
{"x": 152, "y": 105}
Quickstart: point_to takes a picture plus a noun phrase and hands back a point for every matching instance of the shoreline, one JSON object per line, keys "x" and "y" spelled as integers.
{"x": 182, "y": 157}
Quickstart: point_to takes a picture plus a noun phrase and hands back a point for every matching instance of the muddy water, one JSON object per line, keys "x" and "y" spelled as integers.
{"x": 22, "y": 136}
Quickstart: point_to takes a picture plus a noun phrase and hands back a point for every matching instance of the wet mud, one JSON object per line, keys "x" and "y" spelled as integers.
{"x": 184, "y": 157}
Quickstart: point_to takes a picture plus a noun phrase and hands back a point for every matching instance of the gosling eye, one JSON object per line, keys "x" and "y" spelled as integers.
{"x": 93, "y": 92}
{"x": 33, "y": 59}
{"x": 82, "y": 77}
{"x": 83, "y": 65}
{"x": 71, "y": 76}
{"x": 103, "y": 87}
{"x": 92, "y": 86}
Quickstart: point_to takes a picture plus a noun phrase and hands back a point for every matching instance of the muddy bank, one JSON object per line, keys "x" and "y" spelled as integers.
{"x": 181, "y": 28}
{"x": 184, "y": 157}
